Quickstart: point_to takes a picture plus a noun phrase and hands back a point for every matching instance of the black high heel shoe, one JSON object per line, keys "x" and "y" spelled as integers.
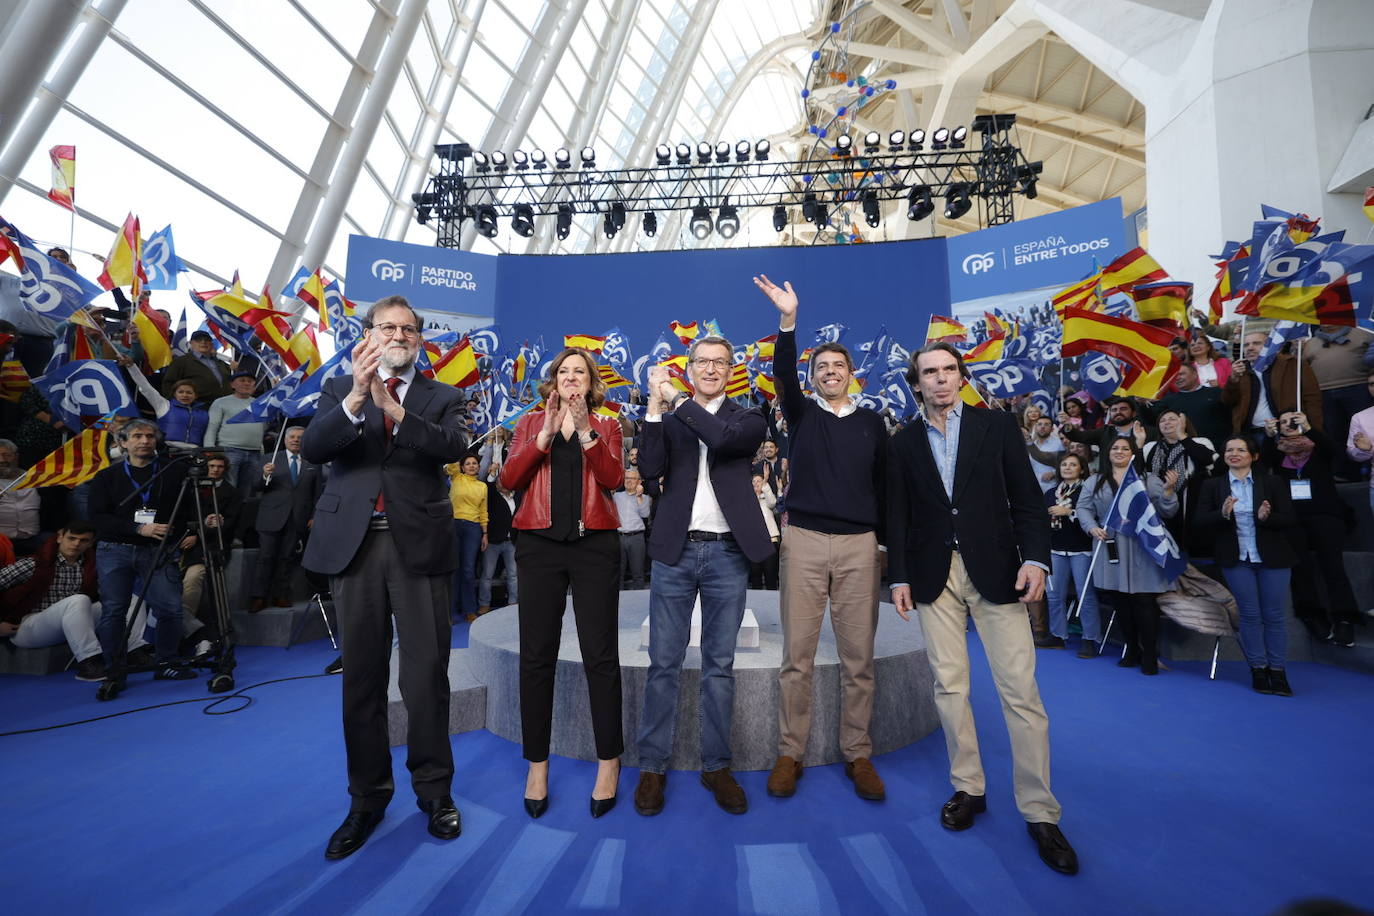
{"x": 535, "y": 807}
{"x": 600, "y": 806}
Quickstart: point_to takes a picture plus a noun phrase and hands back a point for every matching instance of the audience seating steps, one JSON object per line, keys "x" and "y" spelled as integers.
{"x": 47, "y": 660}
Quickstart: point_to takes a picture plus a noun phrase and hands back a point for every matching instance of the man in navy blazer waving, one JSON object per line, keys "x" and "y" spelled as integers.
{"x": 968, "y": 536}
{"x": 383, "y": 532}
{"x": 707, "y": 531}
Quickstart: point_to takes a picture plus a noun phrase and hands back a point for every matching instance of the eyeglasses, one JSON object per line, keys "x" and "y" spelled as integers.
{"x": 703, "y": 363}
{"x": 389, "y": 330}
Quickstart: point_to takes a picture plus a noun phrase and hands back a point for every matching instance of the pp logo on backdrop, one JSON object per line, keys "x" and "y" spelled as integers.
{"x": 978, "y": 263}
{"x": 388, "y": 271}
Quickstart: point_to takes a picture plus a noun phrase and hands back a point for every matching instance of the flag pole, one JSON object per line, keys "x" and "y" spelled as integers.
{"x": 1092, "y": 564}
{"x": 15, "y": 482}
{"x": 71, "y": 231}
{"x": 280, "y": 436}
{"x": 1298, "y": 405}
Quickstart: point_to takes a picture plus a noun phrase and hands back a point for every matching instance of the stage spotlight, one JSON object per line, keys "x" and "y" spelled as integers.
{"x": 919, "y": 205}
{"x": 957, "y": 202}
{"x": 650, "y": 224}
{"x": 723, "y": 151}
{"x": 727, "y": 224}
{"x": 664, "y": 152}
{"x": 779, "y": 218}
{"x": 916, "y": 140}
{"x": 617, "y": 214}
{"x": 871, "y": 141}
{"x": 563, "y": 225}
{"x": 761, "y": 150}
{"x": 481, "y": 162}
{"x": 742, "y": 151}
{"x": 562, "y": 158}
{"x": 872, "y": 215}
{"x": 809, "y": 207}
{"x": 608, "y": 226}
{"x": 684, "y": 154}
{"x": 522, "y": 221}
{"x": 896, "y": 140}
{"x": 588, "y": 157}
{"x": 701, "y": 224}
{"x": 538, "y": 159}
{"x": 703, "y": 153}
{"x": 423, "y": 201}
{"x": 498, "y": 161}
{"x": 822, "y": 215}
{"x": 1025, "y": 178}
{"x": 521, "y": 159}
{"x": 485, "y": 217}
{"x": 940, "y": 139}
{"x": 957, "y": 137}
{"x": 843, "y": 144}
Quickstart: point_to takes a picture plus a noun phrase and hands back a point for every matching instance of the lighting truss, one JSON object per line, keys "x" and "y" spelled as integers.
{"x": 993, "y": 171}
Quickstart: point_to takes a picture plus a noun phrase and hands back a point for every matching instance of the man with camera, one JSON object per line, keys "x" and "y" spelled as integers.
{"x": 1257, "y": 398}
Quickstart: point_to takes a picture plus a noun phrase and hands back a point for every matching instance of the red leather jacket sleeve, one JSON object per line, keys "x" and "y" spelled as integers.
{"x": 527, "y": 468}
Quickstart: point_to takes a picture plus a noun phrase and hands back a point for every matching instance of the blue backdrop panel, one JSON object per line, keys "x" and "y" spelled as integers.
{"x": 892, "y": 284}
{"x": 435, "y": 279}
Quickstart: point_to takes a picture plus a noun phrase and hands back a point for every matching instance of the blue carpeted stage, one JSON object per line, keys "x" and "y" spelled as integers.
{"x": 1182, "y": 796}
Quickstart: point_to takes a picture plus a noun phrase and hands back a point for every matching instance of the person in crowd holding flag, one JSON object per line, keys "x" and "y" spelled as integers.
{"x": 19, "y": 507}
{"x": 1257, "y": 397}
{"x": 1124, "y": 572}
{"x": 1121, "y": 422}
{"x": 1072, "y": 552}
{"x": 632, "y": 506}
{"x": 1304, "y": 458}
{"x": 202, "y": 367}
{"x": 566, "y": 460}
{"x": 1248, "y": 511}
{"x": 958, "y": 479}
{"x": 240, "y": 442}
{"x": 183, "y": 419}
{"x": 1213, "y": 369}
{"x": 383, "y": 532}
{"x": 468, "y": 496}
{"x": 287, "y": 492}
{"x": 1044, "y": 448}
{"x": 1340, "y": 358}
{"x": 132, "y": 504}
{"x": 1193, "y": 459}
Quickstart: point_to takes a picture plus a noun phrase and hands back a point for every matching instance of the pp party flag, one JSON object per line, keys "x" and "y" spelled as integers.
{"x": 14, "y": 380}
{"x": 1006, "y": 378}
{"x": 1300, "y": 226}
{"x": 1135, "y": 266}
{"x": 1280, "y": 334}
{"x": 945, "y": 329}
{"x": 890, "y": 392}
{"x": 76, "y": 462}
{"x": 616, "y": 351}
{"x": 181, "y": 340}
{"x": 831, "y": 333}
{"x": 1133, "y": 515}
{"x": 1225, "y": 289}
{"x": 1100, "y": 375}
{"x": 684, "y": 332}
{"x": 458, "y": 367}
{"x": 1369, "y": 203}
{"x": 124, "y": 265}
{"x": 485, "y": 341}
{"x": 272, "y": 403}
{"x": 160, "y": 262}
{"x": 87, "y": 388}
{"x": 585, "y": 341}
{"x": 1143, "y": 347}
{"x": 155, "y": 335}
{"x": 1164, "y": 304}
{"x": 63, "y": 191}
{"x": 1082, "y": 294}
{"x": 1312, "y": 282}
{"x": 343, "y": 319}
{"x": 47, "y": 286}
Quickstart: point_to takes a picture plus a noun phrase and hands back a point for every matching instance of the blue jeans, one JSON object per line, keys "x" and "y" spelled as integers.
{"x": 245, "y": 467}
{"x": 719, "y": 570}
{"x": 465, "y": 576}
{"x": 121, "y": 568}
{"x": 1074, "y": 567}
{"x": 1259, "y": 591}
{"x": 505, "y": 551}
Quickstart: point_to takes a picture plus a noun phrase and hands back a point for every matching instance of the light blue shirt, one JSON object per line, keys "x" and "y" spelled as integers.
{"x": 944, "y": 446}
{"x": 1243, "y": 489}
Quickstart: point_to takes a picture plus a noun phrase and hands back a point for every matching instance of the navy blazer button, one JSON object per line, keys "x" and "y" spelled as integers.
{"x": 954, "y": 511}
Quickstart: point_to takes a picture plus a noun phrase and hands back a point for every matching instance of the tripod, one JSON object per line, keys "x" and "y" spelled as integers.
{"x": 222, "y": 660}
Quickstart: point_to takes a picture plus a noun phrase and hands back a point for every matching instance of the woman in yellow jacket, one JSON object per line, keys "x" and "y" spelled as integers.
{"x": 469, "y": 498}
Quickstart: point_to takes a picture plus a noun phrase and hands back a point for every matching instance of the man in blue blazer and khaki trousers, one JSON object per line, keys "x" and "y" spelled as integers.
{"x": 968, "y": 535}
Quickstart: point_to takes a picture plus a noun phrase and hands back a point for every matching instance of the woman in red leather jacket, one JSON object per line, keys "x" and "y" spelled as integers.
{"x": 568, "y": 461}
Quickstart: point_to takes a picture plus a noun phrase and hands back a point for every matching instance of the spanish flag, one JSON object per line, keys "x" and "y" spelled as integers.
{"x": 458, "y": 366}
{"x": 312, "y": 294}
{"x": 763, "y": 347}
{"x": 1329, "y": 304}
{"x": 1135, "y": 266}
{"x": 63, "y": 191}
{"x": 1082, "y": 294}
{"x": 767, "y": 387}
{"x": 519, "y": 369}
{"x": 970, "y": 396}
{"x": 684, "y": 332}
{"x": 738, "y": 382}
{"x": 585, "y": 341}
{"x": 1164, "y": 304}
{"x": 612, "y": 378}
{"x": 155, "y": 335}
{"x": 74, "y": 463}
{"x": 945, "y": 329}
{"x": 1141, "y": 346}
{"x": 1369, "y": 203}
{"x": 610, "y": 409}
{"x": 124, "y": 266}
{"x": 14, "y": 381}
{"x": 677, "y": 371}
{"x": 986, "y": 351}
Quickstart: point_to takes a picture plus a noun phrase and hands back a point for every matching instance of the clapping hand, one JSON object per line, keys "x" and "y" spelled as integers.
{"x": 577, "y": 409}
{"x": 1363, "y": 443}
{"x": 1170, "y": 480}
{"x": 1228, "y": 508}
{"x": 1263, "y": 511}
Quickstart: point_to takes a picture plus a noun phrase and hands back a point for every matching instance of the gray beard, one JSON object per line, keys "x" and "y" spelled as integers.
{"x": 396, "y": 364}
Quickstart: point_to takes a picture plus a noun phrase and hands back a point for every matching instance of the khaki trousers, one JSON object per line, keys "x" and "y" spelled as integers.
{"x": 841, "y": 570}
{"x": 1006, "y": 637}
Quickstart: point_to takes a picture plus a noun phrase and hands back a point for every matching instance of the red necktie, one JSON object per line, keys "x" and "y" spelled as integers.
{"x": 388, "y": 424}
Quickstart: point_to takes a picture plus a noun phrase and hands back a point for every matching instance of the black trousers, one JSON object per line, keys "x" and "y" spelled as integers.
{"x": 1138, "y": 614}
{"x": 633, "y": 560}
{"x": 373, "y": 591}
{"x": 765, "y": 575}
{"x": 272, "y": 577}
{"x": 546, "y": 569}
{"x": 1324, "y": 536}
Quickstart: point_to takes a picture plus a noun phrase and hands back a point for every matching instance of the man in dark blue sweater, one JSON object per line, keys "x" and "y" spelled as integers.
{"x": 829, "y": 549}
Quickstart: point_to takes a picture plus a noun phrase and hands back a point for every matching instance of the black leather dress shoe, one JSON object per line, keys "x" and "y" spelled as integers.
{"x": 444, "y": 820}
{"x": 958, "y": 812}
{"x": 352, "y": 833}
{"x": 535, "y": 807}
{"x": 1054, "y": 849}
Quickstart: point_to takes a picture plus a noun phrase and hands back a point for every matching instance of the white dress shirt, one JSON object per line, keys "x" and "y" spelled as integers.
{"x": 407, "y": 376}
{"x": 706, "y": 514}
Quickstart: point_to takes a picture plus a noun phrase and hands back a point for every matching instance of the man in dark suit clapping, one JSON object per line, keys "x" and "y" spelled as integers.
{"x": 968, "y": 535}
{"x": 384, "y": 532}
{"x": 286, "y": 509}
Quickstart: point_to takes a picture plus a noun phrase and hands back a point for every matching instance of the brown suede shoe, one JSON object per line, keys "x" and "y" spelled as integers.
{"x": 867, "y": 783}
{"x": 782, "y": 782}
{"x": 729, "y": 794}
{"x": 649, "y": 793}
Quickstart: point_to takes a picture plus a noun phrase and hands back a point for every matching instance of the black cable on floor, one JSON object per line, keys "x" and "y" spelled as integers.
{"x": 209, "y": 710}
